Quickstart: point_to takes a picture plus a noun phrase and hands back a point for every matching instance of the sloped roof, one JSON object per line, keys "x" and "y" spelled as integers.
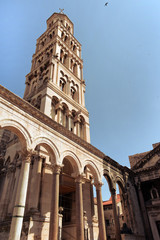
{"x": 109, "y": 202}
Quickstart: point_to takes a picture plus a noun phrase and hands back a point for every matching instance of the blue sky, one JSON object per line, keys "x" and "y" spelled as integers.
{"x": 121, "y": 53}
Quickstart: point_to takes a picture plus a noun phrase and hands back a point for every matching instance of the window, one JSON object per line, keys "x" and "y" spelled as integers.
{"x": 73, "y": 91}
{"x": 75, "y": 68}
{"x": 154, "y": 193}
{"x": 62, "y": 84}
{"x": 65, "y": 57}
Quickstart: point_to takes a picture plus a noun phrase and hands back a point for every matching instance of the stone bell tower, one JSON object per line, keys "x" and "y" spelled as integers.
{"x": 55, "y": 84}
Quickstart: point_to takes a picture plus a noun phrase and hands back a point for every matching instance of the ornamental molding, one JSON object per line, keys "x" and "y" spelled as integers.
{"x": 146, "y": 158}
{"x": 41, "y": 117}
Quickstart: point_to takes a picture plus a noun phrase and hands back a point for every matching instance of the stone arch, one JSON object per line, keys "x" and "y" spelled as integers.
{"x": 49, "y": 145}
{"x": 21, "y": 132}
{"x": 73, "y": 159}
{"x": 94, "y": 170}
{"x": 109, "y": 179}
{"x": 120, "y": 183}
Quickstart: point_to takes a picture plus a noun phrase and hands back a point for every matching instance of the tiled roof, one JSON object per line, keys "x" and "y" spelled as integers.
{"x": 109, "y": 202}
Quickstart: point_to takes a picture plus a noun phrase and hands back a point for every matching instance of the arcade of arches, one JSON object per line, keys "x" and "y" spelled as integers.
{"x": 47, "y": 183}
{"x": 49, "y": 169}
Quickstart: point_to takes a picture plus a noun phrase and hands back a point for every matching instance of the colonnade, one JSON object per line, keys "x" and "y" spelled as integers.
{"x": 21, "y": 194}
{"x": 72, "y": 123}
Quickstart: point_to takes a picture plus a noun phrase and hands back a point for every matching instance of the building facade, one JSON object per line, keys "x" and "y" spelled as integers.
{"x": 109, "y": 218}
{"x": 146, "y": 167}
{"x": 48, "y": 168}
{"x": 47, "y": 165}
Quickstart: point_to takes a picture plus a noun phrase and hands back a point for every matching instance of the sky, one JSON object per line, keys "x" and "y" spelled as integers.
{"x": 121, "y": 54}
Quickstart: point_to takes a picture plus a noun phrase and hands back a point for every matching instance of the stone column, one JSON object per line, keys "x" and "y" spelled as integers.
{"x": 68, "y": 86}
{"x": 7, "y": 191}
{"x": 102, "y": 230}
{"x": 59, "y": 109}
{"x": 11, "y": 204}
{"x": 35, "y": 184}
{"x": 79, "y": 209}
{"x": 116, "y": 218}
{"x": 92, "y": 199}
{"x": 126, "y": 209}
{"x": 144, "y": 214}
{"x": 77, "y": 125}
{"x": 54, "y": 220}
{"x": 51, "y": 68}
{"x": 18, "y": 212}
{"x": 69, "y": 115}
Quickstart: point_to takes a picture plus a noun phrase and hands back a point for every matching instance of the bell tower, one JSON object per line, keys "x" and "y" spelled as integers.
{"x": 55, "y": 84}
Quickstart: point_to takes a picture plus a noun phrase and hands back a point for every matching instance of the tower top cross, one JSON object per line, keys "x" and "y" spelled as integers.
{"x": 61, "y": 10}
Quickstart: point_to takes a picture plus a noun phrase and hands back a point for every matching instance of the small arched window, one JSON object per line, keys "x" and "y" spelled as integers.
{"x": 64, "y": 59}
{"x": 73, "y": 91}
{"x": 62, "y": 84}
{"x": 75, "y": 68}
{"x": 154, "y": 193}
{"x": 61, "y": 55}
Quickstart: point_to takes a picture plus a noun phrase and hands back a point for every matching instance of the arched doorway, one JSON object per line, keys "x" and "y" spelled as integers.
{"x": 67, "y": 199}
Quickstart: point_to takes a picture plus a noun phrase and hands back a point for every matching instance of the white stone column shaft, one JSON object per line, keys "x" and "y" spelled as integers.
{"x": 18, "y": 212}
{"x": 54, "y": 219}
{"x": 102, "y": 230}
{"x": 12, "y": 202}
{"x": 116, "y": 218}
{"x": 79, "y": 210}
{"x": 36, "y": 183}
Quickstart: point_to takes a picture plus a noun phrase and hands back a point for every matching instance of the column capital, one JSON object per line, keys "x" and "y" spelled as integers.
{"x": 113, "y": 191}
{"x": 11, "y": 168}
{"x": 59, "y": 106}
{"x": 69, "y": 113}
{"x": 38, "y": 157}
{"x": 77, "y": 119}
{"x": 18, "y": 164}
{"x": 98, "y": 185}
{"x": 48, "y": 166}
{"x": 57, "y": 168}
{"x": 80, "y": 178}
{"x": 26, "y": 155}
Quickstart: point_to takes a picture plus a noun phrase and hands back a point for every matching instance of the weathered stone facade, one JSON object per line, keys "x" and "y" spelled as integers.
{"x": 146, "y": 167}
{"x": 47, "y": 165}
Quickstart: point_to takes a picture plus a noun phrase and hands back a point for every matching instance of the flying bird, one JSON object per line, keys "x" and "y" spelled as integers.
{"x": 106, "y": 4}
